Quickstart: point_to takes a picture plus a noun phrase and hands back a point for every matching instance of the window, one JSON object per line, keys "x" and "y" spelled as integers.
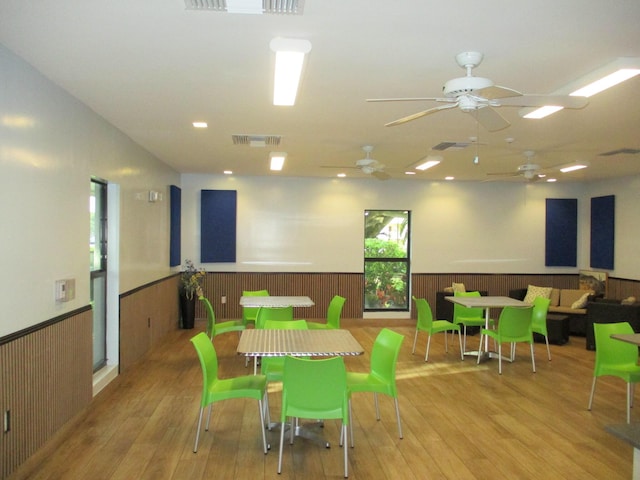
{"x": 386, "y": 260}
{"x": 98, "y": 273}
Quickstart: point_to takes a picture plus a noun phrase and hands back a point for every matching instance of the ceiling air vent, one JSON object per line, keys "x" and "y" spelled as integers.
{"x": 629, "y": 151}
{"x": 455, "y": 145}
{"x": 274, "y": 7}
{"x": 257, "y": 140}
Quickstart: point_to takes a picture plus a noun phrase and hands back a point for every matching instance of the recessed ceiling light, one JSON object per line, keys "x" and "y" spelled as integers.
{"x": 200, "y": 124}
{"x": 342, "y": 175}
{"x": 409, "y": 173}
{"x": 449, "y": 178}
{"x": 277, "y": 160}
{"x": 228, "y": 172}
{"x": 551, "y": 180}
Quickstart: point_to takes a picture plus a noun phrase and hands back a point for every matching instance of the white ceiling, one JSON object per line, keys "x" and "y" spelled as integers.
{"x": 151, "y": 67}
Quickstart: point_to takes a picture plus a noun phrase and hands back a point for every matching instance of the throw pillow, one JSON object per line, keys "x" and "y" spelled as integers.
{"x": 533, "y": 292}
{"x": 582, "y": 301}
{"x": 628, "y": 301}
{"x": 458, "y": 287}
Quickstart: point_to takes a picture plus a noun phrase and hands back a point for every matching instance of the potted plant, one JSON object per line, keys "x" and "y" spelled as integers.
{"x": 190, "y": 288}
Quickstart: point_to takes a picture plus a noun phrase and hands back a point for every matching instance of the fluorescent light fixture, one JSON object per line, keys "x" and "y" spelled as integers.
{"x": 289, "y": 61}
{"x": 428, "y": 162}
{"x": 609, "y": 81}
{"x": 341, "y": 175}
{"x": 200, "y": 124}
{"x": 551, "y": 180}
{"x": 449, "y": 178}
{"x": 228, "y": 172}
{"x": 409, "y": 173}
{"x": 277, "y": 160}
{"x": 573, "y": 167}
{"x": 543, "y": 111}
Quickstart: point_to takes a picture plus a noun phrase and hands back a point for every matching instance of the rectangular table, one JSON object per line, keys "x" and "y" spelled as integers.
{"x": 300, "y": 343}
{"x": 276, "y": 301}
{"x": 486, "y": 303}
{"x": 633, "y": 338}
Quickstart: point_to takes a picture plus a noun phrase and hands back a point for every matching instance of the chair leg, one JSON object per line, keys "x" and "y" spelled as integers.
{"x": 346, "y": 452}
{"x": 593, "y": 390}
{"x": 460, "y": 342}
{"x": 464, "y": 340}
{"x": 426, "y": 355}
{"x": 195, "y": 446}
{"x": 375, "y": 399}
{"x": 500, "y": 358}
{"x": 350, "y": 425}
{"x": 264, "y": 435}
{"x": 398, "y": 417}
{"x": 533, "y": 358}
{"x": 629, "y": 396}
{"x": 281, "y": 446}
{"x": 480, "y": 349}
{"x": 446, "y": 344}
{"x": 415, "y": 339}
{"x": 546, "y": 339}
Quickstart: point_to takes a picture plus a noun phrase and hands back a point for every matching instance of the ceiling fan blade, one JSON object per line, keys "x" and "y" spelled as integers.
{"x": 490, "y": 119}
{"x": 380, "y": 175}
{"x": 338, "y": 166}
{"x": 412, "y": 99}
{"x": 566, "y": 101}
{"x": 495, "y": 91}
{"x": 420, "y": 114}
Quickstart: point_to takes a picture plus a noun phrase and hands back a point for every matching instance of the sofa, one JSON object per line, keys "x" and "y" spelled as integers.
{"x": 562, "y": 303}
{"x": 604, "y": 310}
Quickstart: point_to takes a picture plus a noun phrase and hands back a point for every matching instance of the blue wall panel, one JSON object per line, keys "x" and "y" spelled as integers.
{"x": 603, "y": 214}
{"x": 561, "y": 232}
{"x": 175, "y": 207}
{"x": 218, "y": 226}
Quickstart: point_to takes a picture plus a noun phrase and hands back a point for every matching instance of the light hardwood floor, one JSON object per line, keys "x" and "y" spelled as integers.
{"x": 460, "y": 421}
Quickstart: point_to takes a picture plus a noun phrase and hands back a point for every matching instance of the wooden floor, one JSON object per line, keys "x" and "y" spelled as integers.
{"x": 460, "y": 421}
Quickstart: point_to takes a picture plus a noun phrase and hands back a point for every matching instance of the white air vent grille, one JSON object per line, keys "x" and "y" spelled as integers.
{"x": 455, "y": 145}
{"x": 275, "y": 7}
{"x": 257, "y": 140}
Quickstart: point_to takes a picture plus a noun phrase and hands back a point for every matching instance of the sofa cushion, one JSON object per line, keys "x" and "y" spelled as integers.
{"x": 581, "y": 302}
{"x": 555, "y": 297}
{"x": 533, "y": 292}
{"x": 569, "y": 296}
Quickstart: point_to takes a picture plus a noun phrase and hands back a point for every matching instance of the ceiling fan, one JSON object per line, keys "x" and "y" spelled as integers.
{"x": 528, "y": 170}
{"x": 368, "y": 165}
{"x": 478, "y": 95}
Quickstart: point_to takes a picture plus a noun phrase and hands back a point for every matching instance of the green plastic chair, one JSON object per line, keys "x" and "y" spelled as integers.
{"x": 314, "y": 389}
{"x": 539, "y": 319}
{"x": 467, "y": 316}
{"x": 249, "y": 313}
{"x": 273, "y": 313}
{"x": 514, "y": 325}
{"x": 382, "y": 375}
{"x": 615, "y": 358}
{"x": 213, "y": 328}
{"x": 334, "y": 311}
{"x": 427, "y": 324}
{"x": 215, "y": 389}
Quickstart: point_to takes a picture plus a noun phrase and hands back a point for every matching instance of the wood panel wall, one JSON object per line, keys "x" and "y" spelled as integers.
{"x": 45, "y": 379}
{"x": 146, "y": 315}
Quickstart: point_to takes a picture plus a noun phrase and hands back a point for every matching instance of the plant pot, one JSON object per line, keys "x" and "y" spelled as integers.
{"x": 187, "y": 311}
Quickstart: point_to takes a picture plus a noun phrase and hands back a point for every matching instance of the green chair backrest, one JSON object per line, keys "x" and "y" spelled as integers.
{"x": 462, "y": 312}
{"x": 315, "y": 389}
{"x": 249, "y": 313}
{"x": 211, "y": 317}
{"x": 285, "y": 325}
{"x": 515, "y": 323}
{"x": 334, "y": 311}
{"x": 611, "y": 352}
{"x": 209, "y": 363}
{"x": 384, "y": 357}
{"x": 273, "y": 313}
{"x": 539, "y": 314}
{"x": 425, "y": 316}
